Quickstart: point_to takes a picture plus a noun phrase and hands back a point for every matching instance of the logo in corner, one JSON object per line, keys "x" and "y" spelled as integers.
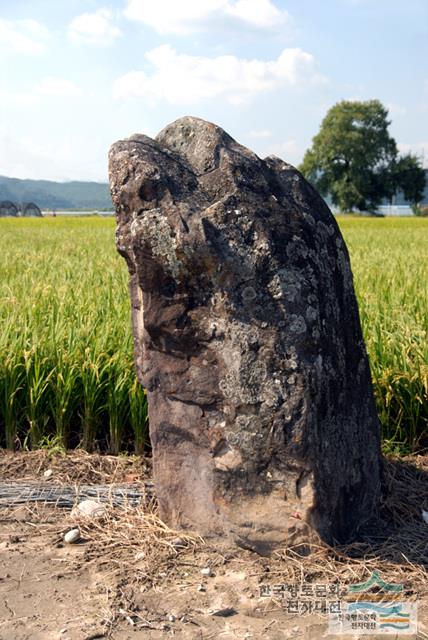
{"x": 375, "y": 607}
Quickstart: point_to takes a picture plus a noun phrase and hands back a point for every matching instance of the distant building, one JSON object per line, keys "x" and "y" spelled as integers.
{"x": 398, "y": 207}
{"x": 400, "y": 200}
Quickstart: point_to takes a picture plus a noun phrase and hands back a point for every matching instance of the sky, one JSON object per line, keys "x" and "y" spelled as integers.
{"x": 77, "y": 75}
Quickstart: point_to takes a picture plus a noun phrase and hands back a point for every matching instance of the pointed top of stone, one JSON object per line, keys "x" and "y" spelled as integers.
{"x": 200, "y": 142}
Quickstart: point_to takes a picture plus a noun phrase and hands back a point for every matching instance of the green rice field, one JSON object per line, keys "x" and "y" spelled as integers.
{"x": 66, "y": 366}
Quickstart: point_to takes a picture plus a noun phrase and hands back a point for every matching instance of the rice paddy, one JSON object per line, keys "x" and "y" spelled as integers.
{"x": 66, "y": 362}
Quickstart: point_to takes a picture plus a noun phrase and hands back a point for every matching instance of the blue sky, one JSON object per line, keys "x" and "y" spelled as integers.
{"x": 76, "y": 76}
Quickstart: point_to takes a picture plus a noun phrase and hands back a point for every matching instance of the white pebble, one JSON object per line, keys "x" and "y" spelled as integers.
{"x": 140, "y": 555}
{"x": 207, "y": 572}
{"x": 89, "y": 508}
{"x": 72, "y": 536}
{"x": 48, "y": 473}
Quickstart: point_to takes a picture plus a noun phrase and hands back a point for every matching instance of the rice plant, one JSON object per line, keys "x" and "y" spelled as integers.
{"x": 66, "y": 351}
{"x": 390, "y": 266}
{"x": 139, "y": 416}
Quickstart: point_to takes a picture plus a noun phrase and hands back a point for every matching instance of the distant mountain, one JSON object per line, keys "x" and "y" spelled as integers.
{"x": 80, "y": 195}
{"x": 57, "y": 195}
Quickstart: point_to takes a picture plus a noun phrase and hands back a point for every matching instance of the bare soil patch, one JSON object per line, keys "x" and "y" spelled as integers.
{"x": 133, "y": 577}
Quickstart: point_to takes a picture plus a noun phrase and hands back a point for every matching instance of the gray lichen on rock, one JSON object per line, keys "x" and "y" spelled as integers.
{"x": 247, "y": 339}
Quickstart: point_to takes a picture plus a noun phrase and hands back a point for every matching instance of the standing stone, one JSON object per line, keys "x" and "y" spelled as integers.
{"x": 247, "y": 340}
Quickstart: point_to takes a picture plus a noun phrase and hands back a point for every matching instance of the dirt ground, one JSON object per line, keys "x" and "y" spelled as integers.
{"x": 130, "y": 576}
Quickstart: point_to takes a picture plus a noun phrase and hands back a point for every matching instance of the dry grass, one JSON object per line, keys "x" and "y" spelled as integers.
{"x": 397, "y": 544}
{"x": 74, "y": 467}
{"x": 138, "y": 554}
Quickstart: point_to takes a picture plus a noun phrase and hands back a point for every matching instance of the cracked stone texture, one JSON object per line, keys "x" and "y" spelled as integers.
{"x": 247, "y": 340}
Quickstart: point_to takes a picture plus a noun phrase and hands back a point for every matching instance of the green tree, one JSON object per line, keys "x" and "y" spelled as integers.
{"x": 352, "y": 156}
{"x": 409, "y": 177}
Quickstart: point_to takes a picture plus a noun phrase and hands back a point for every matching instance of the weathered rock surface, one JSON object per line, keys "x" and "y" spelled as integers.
{"x": 247, "y": 339}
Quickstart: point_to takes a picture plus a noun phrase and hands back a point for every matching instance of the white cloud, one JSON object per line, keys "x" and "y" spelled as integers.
{"x": 419, "y": 149}
{"x": 53, "y": 86}
{"x": 22, "y": 36}
{"x": 260, "y": 133}
{"x": 290, "y": 151}
{"x": 395, "y": 109}
{"x": 183, "y": 79}
{"x": 37, "y": 157}
{"x": 258, "y": 13}
{"x": 94, "y": 28}
{"x": 46, "y": 87}
{"x": 18, "y": 98}
{"x": 186, "y": 16}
